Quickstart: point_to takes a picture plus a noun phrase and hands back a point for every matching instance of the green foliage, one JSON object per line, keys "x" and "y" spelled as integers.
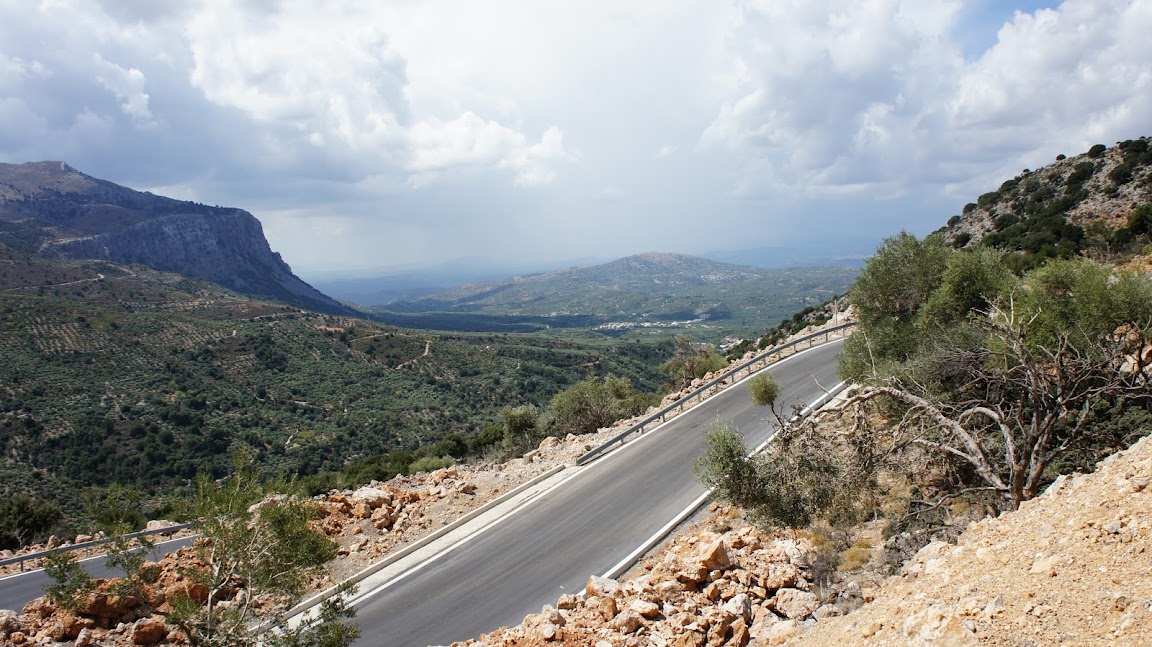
{"x": 786, "y": 488}
{"x": 969, "y": 282}
{"x": 1140, "y": 220}
{"x": 691, "y": 360}
{"x": 764, "y": 390}
{"x": 521, "y": 427}
{"x": 431, "y": 464}
{"x": 888, "y": 295}
{"x": 25, "y": 520}
{"x": 593, "y": 403}
{"x": 1097, "y": 151}
{"x": 71, "y": 584}
{"x": 270, "y": 553}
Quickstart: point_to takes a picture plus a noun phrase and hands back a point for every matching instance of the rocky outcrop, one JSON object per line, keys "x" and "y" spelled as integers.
{"x": 706, "y": 589}
{"x": 226, "y": 247}
{"x": 87, "y": 218}
{"x": 1069, "y": 567}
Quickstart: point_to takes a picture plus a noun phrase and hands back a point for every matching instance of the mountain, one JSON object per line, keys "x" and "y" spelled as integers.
{"x": 70, "y": 215}
{"x": 114, "y": 374}
{"x": 653, "y": 289}
{"x": 1096, "y": 203}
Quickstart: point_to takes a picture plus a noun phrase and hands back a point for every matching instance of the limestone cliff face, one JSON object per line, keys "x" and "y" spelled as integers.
{"x": 91, "y": 218}
{"x": 228, "y": 248}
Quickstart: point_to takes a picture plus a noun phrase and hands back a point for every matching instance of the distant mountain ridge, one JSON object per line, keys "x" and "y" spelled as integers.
{"x": 82, "y": 217}
{"x": 646, "y": 288}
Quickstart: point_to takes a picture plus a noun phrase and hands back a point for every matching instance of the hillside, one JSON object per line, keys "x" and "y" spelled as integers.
{"x": 646, "y": 290}
{"x": 56, "y": 211}
{"x": 1088, "y": 203}
{"x": 122, "y": 374}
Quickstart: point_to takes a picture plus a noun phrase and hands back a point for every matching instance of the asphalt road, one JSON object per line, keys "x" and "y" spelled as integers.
{"x": 552, "y": 545}
{"x": 18, "y": 590}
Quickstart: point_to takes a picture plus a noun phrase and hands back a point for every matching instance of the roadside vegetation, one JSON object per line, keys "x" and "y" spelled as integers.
{"x": 976, "y": 387}
{"x": 982, "y": 369}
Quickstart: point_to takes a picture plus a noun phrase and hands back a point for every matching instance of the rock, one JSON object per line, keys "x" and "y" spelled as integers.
{"x": 86, "y": 638}
{"x": 740, "y": 635}
{"x": 83, "y": 539}
{"x": 53, "y": 542}
{"x": 361, "y": 510}
{"x": 762, "y": 621}
{"x": 601, "y": 586}
{"x": 466, "y": 488}
{"x": 781, "y": 576}
{"x": 148, "y": 631}
{"x": 372, "y": 497}
{"x": 552, "y": 615}
{"x": 531, "y": 456}
{"x": 827, "y": 611}
{"x": 547, "y": 631}
{"x": 53, "y": 631}
{"x": 550, "y": 441}
{"x": 715, "y": 557}
{"x": 783, "y": 631}
{"x": 645, "y": 608}
{"x": 1045, "y": 565}
{"x": 627, "y": 622}
{"x": 689, "y": 639}
{"x": 795, "y": 604}
{"x": 740, "y": 606}
{"x": 158, "y": 524}
{"x": 938, "y": 625}
{"x": 605, "y": 607}
{"x": 568, "y": 602}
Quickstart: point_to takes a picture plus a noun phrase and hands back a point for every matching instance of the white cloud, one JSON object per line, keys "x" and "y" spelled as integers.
{"x": 470, "y": 141}
{"x": 842, "y": 95}
{"x": 128, "y": 86}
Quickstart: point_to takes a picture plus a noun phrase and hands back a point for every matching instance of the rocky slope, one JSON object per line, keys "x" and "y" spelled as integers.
{"x": 81, "y": 217}
{"x": 1102, "y": 186}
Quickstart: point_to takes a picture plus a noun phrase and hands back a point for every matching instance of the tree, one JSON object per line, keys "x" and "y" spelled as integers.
{"x": 789, "y": 485}
{"x": 691, "y": 360}
{"x": 764, "y": 390}
{"x": 592, "y": 403}
{"x": 888, "y": 295}
{"x": 24, "y": 520}
{"x": 1015, "y": 387}
{"x": 258, "y": 552}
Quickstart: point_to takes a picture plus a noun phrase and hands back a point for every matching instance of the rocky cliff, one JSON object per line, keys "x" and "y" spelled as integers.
{"x": 84, "y": 217}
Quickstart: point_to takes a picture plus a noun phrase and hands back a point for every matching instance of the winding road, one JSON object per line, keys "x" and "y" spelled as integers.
{"x": 551, "y": 546}
{"x": 594, "y": 517}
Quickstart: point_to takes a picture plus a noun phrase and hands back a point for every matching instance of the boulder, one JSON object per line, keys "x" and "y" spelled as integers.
{"x": 715, "y": 556}
{"x": 627, "y": 621}
{"x": 781, "y": 632}
{"x": 148, "y": 631}
{"x": 795, "y": 604}
{"x": 372, "y": 497}
{"x": 601, "y": 586}
{"x": 645, "y": 608}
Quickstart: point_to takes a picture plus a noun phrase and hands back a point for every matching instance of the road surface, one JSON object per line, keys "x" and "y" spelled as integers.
{"x": 551, "y": 546}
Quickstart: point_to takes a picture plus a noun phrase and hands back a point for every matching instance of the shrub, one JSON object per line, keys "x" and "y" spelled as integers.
{"x": 1097, "y": 150}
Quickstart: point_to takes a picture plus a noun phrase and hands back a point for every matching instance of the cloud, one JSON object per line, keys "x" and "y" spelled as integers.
{"x": 470, "y": 141}
{"x": 128, "y": 86}
{"x": 845, "y": 96}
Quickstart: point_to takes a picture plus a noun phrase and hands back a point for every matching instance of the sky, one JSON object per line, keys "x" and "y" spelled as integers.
{"x": 376, "y": 134}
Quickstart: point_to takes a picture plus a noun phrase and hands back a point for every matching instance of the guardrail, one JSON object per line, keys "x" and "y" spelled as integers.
{"x": 20, "y": 559}
{"x": 698, "y": 394}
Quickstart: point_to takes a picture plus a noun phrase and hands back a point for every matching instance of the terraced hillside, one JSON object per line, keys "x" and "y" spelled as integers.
{"x": 121, "y": 374}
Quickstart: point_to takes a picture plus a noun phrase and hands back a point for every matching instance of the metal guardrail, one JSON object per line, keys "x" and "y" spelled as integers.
{"x": 20, "y": 559}
{"x": 659, "y": 416}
